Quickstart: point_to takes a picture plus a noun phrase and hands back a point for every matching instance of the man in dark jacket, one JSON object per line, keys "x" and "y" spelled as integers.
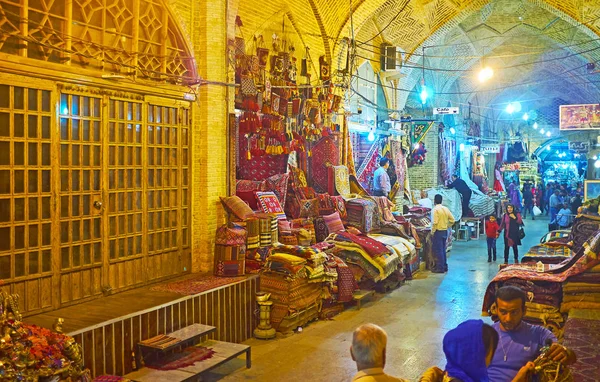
{"x": 527, "y": 201}
{"x": 464, "y": 190}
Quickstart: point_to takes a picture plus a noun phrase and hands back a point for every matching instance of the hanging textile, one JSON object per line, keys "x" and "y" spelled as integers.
{"x": 368, "y": 167}
{"x": 348, "y": 151}
{"x": 324, "y": 154}
{"x": 419, "y": 130}
{"x": 446, "y": 167}
{"x": 400, "y": 164}
{"x": 259, "y": 167}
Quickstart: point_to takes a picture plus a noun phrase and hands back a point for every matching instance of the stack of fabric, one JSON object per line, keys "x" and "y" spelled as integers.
{"x": 406, "y": 251}
{"x": 481, "y": 205}
{"x": 552, "y": 252}
{"x": 374, "y": 260}
{"x": 582, "y": 291}
{"x": 450, "y": 198}
{"x": 362, "y": 213}
{"x": 295, "y": 282}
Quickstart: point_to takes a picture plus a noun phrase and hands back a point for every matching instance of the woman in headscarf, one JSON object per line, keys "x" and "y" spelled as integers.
{"x": 511, "y": 223}
{"x": 514, "y": 196}
{"x": 469, "y": 349}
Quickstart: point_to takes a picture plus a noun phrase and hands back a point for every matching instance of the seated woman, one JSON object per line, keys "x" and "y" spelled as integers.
{"x": 469, "y": 349}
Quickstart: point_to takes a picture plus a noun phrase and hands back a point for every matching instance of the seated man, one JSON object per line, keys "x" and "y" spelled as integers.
{"x": 520, "y": 342}
{"x": 369, "y": 343}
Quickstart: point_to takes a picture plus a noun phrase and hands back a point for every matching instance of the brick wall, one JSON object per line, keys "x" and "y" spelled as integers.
{"x": 426, "y": 175}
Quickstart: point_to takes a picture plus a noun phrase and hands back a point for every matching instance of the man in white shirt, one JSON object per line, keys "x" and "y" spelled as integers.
{"x": 369, "y": 343}
{"x": 442, "y": 220}
{"x": 381, "y": 179}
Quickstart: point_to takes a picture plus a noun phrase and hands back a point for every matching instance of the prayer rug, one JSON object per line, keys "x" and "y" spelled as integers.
{"x": 185, "y": 358}
{"x": 583, "y": 336}
{"x": 195, "y": 285}
{"x": 324, "y": 154}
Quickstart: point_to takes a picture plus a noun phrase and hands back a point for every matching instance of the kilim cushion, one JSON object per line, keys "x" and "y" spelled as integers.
{"x": 309, "y": 208}
{"x": 333, "y": 222}
{"x": 231, "y": 236}
{"x": 278, "y": 184}
{"x": 249, "y": 197}
{"x": 270, "y": 204}
{"x": 236, "y": 206}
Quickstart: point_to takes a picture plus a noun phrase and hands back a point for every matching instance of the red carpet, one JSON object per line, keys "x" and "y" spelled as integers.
{"x": 195, "y": 285}
{"x": 583, "y": 336}
{"x": 187, "y": 357}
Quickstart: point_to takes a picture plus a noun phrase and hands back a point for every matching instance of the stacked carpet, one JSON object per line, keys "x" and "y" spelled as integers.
{"x": 582, "y": 291}
{"x": 362, "y": 213}
{"x": 582, "y": 335}
{"x": 552, "y": 252}
{"x": 373, "y": 257}
{"x": 406, "y": 251}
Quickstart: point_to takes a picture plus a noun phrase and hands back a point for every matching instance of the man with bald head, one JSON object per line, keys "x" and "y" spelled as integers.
{"x": 369, "y": 343}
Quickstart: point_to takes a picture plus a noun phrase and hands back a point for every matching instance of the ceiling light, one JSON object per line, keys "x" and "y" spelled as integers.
{"x": 542, "y": 131}
{"x": 461, "y": 147}
{"x": 485, "y": 74}
{"x": 510, "y": 108}
{"x": 517, "y": 106}
{"x": 371, "y": 136}
{"x": 452, "y": 130}
{"x": 548, "y": 134}
{"x": 548, "y": 148}
{"x": 535, "y": 125}
{"x": 424, "y": 95}
{"x": 525, "y": 116}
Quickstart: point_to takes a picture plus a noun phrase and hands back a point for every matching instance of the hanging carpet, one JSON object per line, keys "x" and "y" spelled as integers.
{"x": 259, "y": 167}
{"x": 324, "y": 154}
{"x": 368, "y": 167}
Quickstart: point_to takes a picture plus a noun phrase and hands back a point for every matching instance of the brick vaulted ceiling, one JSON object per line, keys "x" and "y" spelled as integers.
{"x": 456, "y": 33}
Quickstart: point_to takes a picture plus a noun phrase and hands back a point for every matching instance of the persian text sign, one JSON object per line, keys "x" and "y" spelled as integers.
{"x": 445, "y": 110}
{"x": 580, "y": 147}
{"x": 580, "y": 117}
{"x": 490, "y": 149}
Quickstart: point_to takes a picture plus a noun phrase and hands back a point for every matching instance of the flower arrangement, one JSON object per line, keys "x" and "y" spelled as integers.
{"x": 32, "y": 353}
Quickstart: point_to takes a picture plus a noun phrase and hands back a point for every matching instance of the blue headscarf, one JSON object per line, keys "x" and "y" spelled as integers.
{"x": 465, "y": 352}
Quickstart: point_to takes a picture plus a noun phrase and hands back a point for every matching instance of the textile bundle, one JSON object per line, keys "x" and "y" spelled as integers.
{"x": 450, "y": 198}
{"x": 363, "y": 214}
{"x": 582, "y": 291}
{"x": 374, "y": 258}
{"x": 481, "y": 205}
{"x": 548, "y": 253}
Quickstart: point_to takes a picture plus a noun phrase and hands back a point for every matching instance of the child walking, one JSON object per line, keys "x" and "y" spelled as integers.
{"x": 491, "y": 232}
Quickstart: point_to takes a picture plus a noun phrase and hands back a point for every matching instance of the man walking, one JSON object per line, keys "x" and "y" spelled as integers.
{"x": 442, "y": 220}
{"x": 381, "y": 179}
{"x": 555, "y": 204}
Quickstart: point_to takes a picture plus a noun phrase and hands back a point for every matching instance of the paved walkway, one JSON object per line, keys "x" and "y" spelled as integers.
{"x": 416, "y": 316}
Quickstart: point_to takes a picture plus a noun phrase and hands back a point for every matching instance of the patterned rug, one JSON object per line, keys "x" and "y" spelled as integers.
{"x": 583, "y": 337}
{"x": 195, "y": 285}
{"x": 324, "y": 154}
{"x": 185, "y": 358}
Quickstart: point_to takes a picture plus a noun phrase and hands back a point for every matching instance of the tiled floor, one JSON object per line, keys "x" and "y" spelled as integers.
{"x": 416, "y": 316}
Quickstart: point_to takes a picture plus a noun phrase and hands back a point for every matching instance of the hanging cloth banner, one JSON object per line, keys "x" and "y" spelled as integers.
{"x": 419, "y": 130}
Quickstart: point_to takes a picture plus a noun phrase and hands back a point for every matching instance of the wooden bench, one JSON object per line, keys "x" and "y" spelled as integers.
{"x": 224, "y": 351}
{"x": 360, "y": 295}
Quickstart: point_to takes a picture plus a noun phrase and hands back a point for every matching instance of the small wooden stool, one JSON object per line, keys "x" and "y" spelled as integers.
{"x": 359, "y": 295}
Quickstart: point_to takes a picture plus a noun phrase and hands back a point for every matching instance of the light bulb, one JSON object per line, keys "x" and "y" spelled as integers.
{"x": 535, "y": 125}
{"x": 525, "y": 117}
{"x": 485, "y": 74}
{"x": 461, "y": 147}
{"x": 542, "y": 131}
{"x": 517, "y": 106}
{"x": 371, "y": 136}
{"x": 548, "y": 134}
{"x": 452, "y": 130}
{"x": 424, "y": 95}
{"x": 548, "y": 148}
{"x": 510, "y": 108}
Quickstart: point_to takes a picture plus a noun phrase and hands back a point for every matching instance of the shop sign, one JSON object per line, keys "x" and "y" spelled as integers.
{"x": 490, "y": 149}
{"x": 445, "y": 110}
{"x": 580, "y": 117}
{"x": 579, "y": 147}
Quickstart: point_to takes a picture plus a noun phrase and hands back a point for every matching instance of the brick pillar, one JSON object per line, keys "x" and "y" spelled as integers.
{"x": 209, "y": 153}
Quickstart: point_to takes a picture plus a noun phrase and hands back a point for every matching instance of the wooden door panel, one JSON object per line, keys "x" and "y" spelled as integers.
{"x": 81, "y": 172}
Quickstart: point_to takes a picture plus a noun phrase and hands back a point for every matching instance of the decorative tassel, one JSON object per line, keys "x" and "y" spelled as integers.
{"x": 248, "y": 155}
